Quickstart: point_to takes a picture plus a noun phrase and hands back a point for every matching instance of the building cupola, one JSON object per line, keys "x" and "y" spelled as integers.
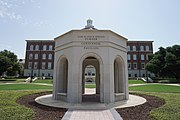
{"x": 89, "y": 24}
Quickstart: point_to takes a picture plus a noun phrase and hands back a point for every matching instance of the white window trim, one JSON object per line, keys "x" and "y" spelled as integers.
{"x": 135, "y": 67}
{"x": 134, "y": 48}
{"x": 31, "y": 47}
{"x": 50, "y": 56}
{"x": 142, "y": 57}
{"x": 134, "y": 57}
{"x": 129, "y": 57}
{"x": 141, "y": 48}
{"x": 43, "y": 65}
{"x": 44, "y": 47}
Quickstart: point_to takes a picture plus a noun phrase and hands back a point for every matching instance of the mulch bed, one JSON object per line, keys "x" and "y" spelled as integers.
{"x": 140, "y": 112}
{"x": 42, "y": 112}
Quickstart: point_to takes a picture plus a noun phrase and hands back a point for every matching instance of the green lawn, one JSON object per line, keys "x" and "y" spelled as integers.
{"x": 24, "y": 87}
{"x": 136, "y": 82}
{"x": 171, "y": 95}
{"x": 10, "y": 110}
{"x": 47, "y": 81}
{"x": 90, "y": 85}
{"x": 169, "y": 111}
{"x": 156, "y": 88}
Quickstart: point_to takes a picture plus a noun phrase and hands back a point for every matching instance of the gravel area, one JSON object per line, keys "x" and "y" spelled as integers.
{"x": 140, "y": 112}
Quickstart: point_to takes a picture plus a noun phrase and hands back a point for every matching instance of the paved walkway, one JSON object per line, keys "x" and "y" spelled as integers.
{"x": 110, "y": 114}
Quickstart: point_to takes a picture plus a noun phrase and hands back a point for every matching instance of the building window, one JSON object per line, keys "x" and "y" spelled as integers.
{"x": 147, "y": 56}
{"x": 134, "y": 57}
{"x": 36, "y": 56}
{"x": 135, "y": 75}
{"x": 142, "y": 57}
{"x": 143, "y": 75}
{"x": 42, "y": 74}
{"x": 134, "y": 48}
{"x": 30, "y": 65}
{"x": 37, "y": 47}
{"x": 135, "y": 65}
{"x": 34, "y": 74}
{"x": 43, "y": 65}
{"x": 31, "y": 47}
{"x": 44, "y": 56}
{"x": 44, "y": 47}
{"x": 142, "y": 66}
{"x": 142, "y": 48}
{"x": 50, "y": 56}
{"x": 128, "y": 48}
{"x": 129, "y": 57}
{"x": 35, "y": 65}
{"x": 49, "y": 75}
{"x": 129, "y": 65}
{"x": 30, "y": 56}
{"x": 50, "y": 47}
{"x": 129, "y": 75}
{"x": 147, "y": 48}
{"x": 49, "y": 65}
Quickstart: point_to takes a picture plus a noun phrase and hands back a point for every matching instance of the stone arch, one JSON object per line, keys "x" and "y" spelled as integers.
{"x": 99, "y": 73}
{"x": 119, "y": 78}
{"x": 62, "y": 78}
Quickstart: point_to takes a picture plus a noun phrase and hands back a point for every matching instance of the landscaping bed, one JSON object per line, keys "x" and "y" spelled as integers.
{"x": 140, "y": 112}
{"x": 41, "y": 112}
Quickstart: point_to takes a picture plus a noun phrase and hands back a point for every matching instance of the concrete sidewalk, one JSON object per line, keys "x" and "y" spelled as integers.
{"x": 110, "y": 114}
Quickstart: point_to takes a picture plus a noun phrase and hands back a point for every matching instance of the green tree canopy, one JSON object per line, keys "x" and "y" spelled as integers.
{"x": 166, "y": 62}
{"x": 9, "y": 63}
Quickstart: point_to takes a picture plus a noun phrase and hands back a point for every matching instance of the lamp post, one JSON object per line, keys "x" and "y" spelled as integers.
{"x": 147, "y": 76}
{"x": 31, "y": 75}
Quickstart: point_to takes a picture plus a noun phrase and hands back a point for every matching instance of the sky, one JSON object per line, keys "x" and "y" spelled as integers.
{"x": 155, "y": 20}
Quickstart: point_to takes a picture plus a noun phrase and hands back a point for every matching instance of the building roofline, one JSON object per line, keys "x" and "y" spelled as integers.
{"x": 140, "y": 41}
{"x": 39, "y": 40}
{"x": 89, "y": 30}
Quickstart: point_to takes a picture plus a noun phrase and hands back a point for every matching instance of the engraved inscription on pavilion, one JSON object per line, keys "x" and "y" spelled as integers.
{"x": 91, "y": 42}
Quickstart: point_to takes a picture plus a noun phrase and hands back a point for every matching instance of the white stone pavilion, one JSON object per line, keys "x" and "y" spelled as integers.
{"x": 103, "y": 49}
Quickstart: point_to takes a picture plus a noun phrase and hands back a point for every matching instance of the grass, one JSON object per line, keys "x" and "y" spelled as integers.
{"x": 136, "y": 82}
{"x": 23, "y": 87}
{"x": 171, "y": 95}
{"x": 171, "y": 110}
{"x": 10, "y": 110}
{"x": 47, "y": 81}
{"x": 90, "y": 85}
{"x": 156, "y": 88}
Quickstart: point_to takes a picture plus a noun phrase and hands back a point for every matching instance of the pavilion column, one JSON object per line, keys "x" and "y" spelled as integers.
{"x": 73, "y": 83}
{"x": 108, "y": 83}
{"x": 97, "y": 80}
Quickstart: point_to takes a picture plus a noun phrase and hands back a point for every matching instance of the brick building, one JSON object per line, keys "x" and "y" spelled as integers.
{"x": 39, "y": 59}
{"x": 138, "y": 56}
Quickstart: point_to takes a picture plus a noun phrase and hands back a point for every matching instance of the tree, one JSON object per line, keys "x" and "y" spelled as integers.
{"x": 166, "y": 62}
{"x": 9, "y": 63}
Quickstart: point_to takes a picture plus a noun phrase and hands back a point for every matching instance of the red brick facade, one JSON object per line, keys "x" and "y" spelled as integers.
{"x": 37, "y": 50}
{"x": 136, "y": 68}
